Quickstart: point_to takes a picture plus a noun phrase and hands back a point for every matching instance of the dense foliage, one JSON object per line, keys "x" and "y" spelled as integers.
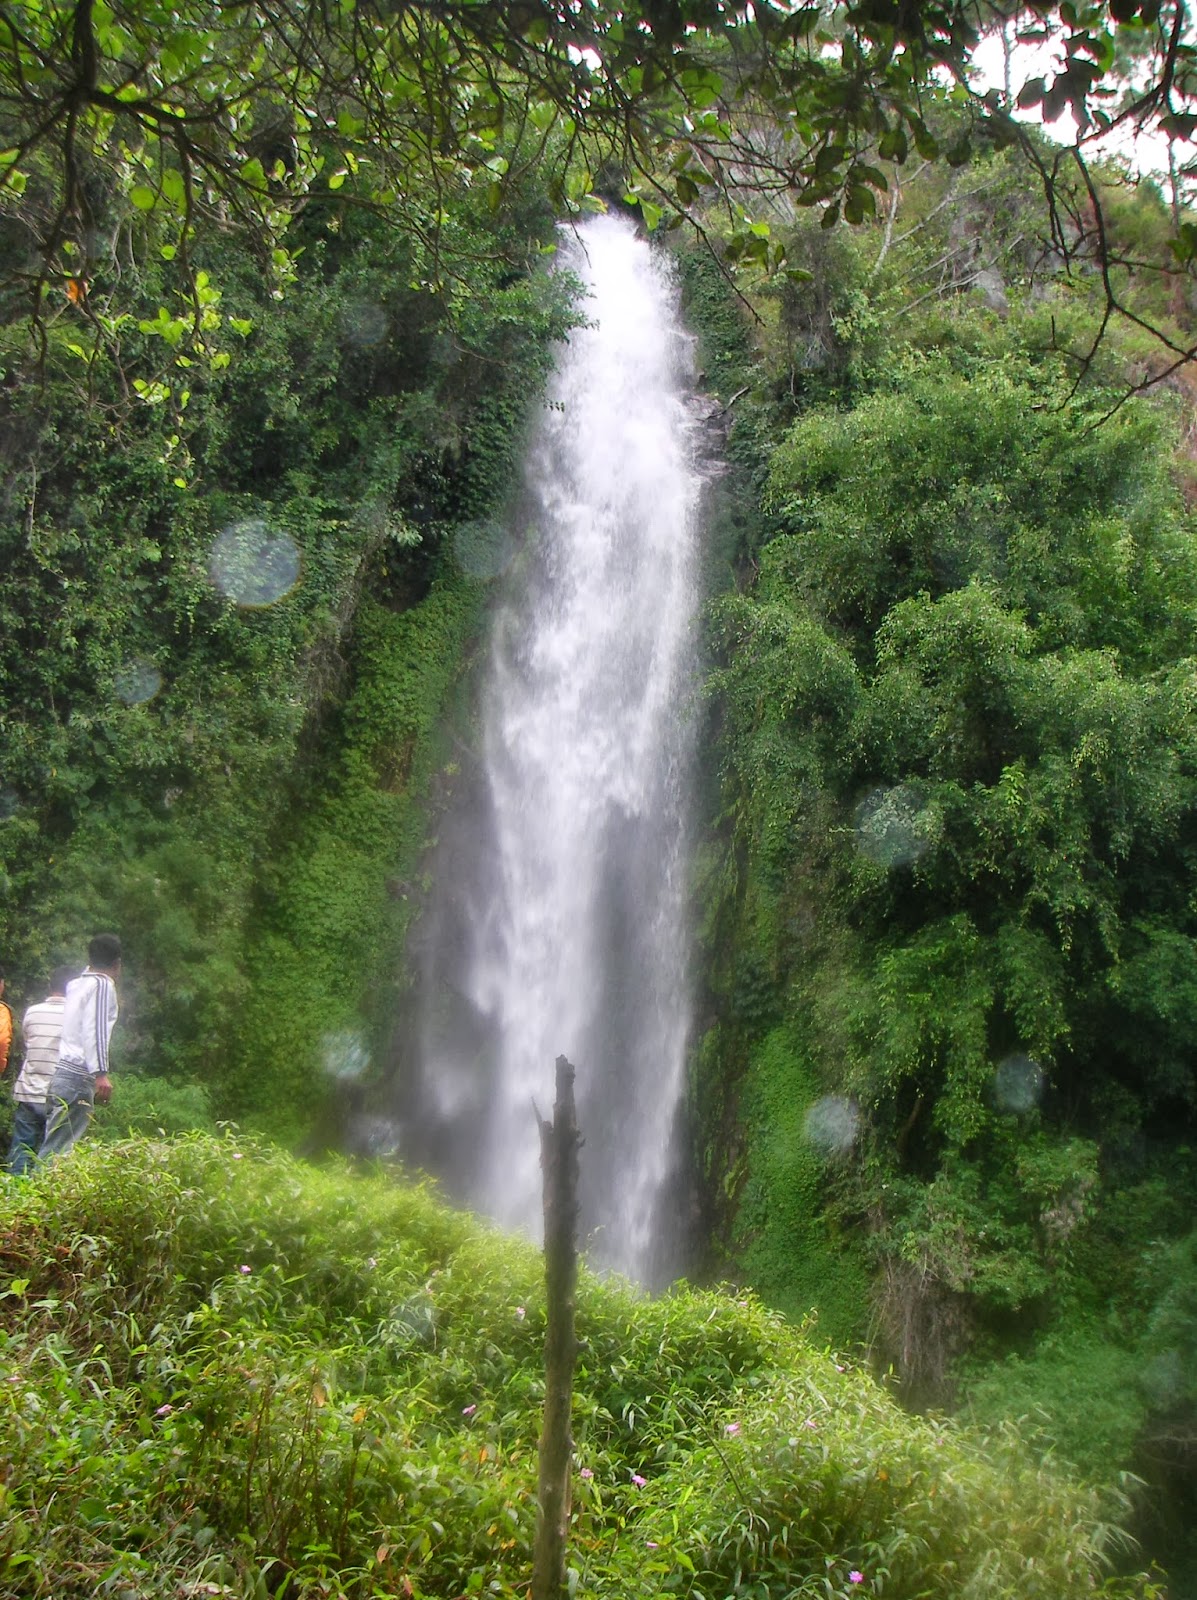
{"x": 199, "y": 113}
{"x": 173, "y": 701}
{"x": 228, "y": 1374}
{"x": 948, "y": 1078}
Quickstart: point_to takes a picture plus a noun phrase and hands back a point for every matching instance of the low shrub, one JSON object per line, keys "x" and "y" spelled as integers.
{"x": 226, "y": 1373}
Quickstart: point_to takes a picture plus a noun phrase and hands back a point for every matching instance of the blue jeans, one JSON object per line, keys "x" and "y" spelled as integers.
{"x": 69, "y": 1106}
{"x": 28, "y": 1130}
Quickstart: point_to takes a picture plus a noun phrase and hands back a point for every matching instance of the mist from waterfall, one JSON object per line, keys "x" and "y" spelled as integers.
{"x": 559, "y": 923}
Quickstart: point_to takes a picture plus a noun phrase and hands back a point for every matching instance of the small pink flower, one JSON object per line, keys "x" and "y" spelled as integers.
{"x": 236, "y": 1155}
{"x": 468, "y": 1411}
{"x": 244, "y": 1270}
{"x": 586, "y": 1473}
{"x": 856, "y": 1577}
{"x": 652, "y": 1544}
{"x": 520, "y": 1312}
{"x": 810, "y": 1423}
{"x": 638, "y": 1480}
{"x": 164, "y": 1411}
{"x": 838, "y": 1368}
{"x": 732, "y": 1429}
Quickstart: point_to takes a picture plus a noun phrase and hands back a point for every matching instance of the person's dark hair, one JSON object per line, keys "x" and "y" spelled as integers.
{"x": 3, "y": 974}
{"x": 104, "y": 950}
{"x": 60, "y": 977}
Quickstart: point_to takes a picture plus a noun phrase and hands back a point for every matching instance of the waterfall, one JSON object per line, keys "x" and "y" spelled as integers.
{"x": 560, "y": 922}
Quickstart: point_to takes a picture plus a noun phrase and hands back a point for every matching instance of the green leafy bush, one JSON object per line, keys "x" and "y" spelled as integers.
{"x": 228, "y": 1373}
{"x": 959, "y": 787}
{"x": 154, "y": 1106}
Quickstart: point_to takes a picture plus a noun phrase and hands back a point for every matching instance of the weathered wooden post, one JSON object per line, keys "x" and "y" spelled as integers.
{"x": 559, "y": 1146}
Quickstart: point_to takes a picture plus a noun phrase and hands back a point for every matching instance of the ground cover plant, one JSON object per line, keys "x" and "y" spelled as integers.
{"x": 227, "y": 1373}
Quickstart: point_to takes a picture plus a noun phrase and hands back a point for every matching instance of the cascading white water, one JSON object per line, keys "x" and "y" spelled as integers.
{"x": 571, "y": 933}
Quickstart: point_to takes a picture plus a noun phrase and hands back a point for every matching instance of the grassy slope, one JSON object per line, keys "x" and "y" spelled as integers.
{"x": 227, "y": 1373}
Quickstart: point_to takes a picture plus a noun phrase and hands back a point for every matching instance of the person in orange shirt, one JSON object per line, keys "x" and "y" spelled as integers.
{"x": 5, "y": 1028}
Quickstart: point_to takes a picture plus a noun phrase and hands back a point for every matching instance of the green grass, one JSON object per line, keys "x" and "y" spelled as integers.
{"x": 225, "y": 1373}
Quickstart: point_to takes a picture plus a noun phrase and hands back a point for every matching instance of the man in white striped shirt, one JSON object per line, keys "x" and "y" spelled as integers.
{"x": 42, "y": 1031}
{"x": 81, "y": 1079}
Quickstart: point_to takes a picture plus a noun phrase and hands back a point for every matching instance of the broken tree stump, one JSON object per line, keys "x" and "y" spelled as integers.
{"x": 560, "y": 1142}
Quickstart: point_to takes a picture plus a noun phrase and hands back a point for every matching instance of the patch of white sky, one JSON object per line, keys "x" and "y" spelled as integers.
{"x": 1144, "y": 153}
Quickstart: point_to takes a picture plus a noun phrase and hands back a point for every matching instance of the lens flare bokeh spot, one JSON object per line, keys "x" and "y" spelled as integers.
{"x": 832, "y": 1124}
{"x": 345, "y": 1055}
{"x": 253, "y": 565}
{"x": 137, "y": 682}
{"x": 483, "y": 549}
{"x": 1018, "y": 1084}
{"x": 895, "y": 826}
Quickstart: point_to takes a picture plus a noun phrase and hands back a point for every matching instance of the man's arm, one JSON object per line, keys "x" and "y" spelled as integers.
{"x": 105, "y": 1017}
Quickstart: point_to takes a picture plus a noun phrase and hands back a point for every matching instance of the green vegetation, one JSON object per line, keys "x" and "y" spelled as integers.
{"x": 948, "y": 899}
{"x": 321, "y": 973}
{"x": 234, "y": 785}
{"x": 784, "y": 1247}
{"x": 116, "y": 112}
{"x": 270, "y": 328}
{"x": 226, "y": 1373}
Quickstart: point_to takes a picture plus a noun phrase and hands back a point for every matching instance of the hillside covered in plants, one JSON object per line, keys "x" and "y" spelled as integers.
{"x": 946, "y": 1089}
{"x": 229, "y": 1374}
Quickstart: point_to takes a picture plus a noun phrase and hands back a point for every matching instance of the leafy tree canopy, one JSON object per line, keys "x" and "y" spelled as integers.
{"x": 239, "y": 114}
